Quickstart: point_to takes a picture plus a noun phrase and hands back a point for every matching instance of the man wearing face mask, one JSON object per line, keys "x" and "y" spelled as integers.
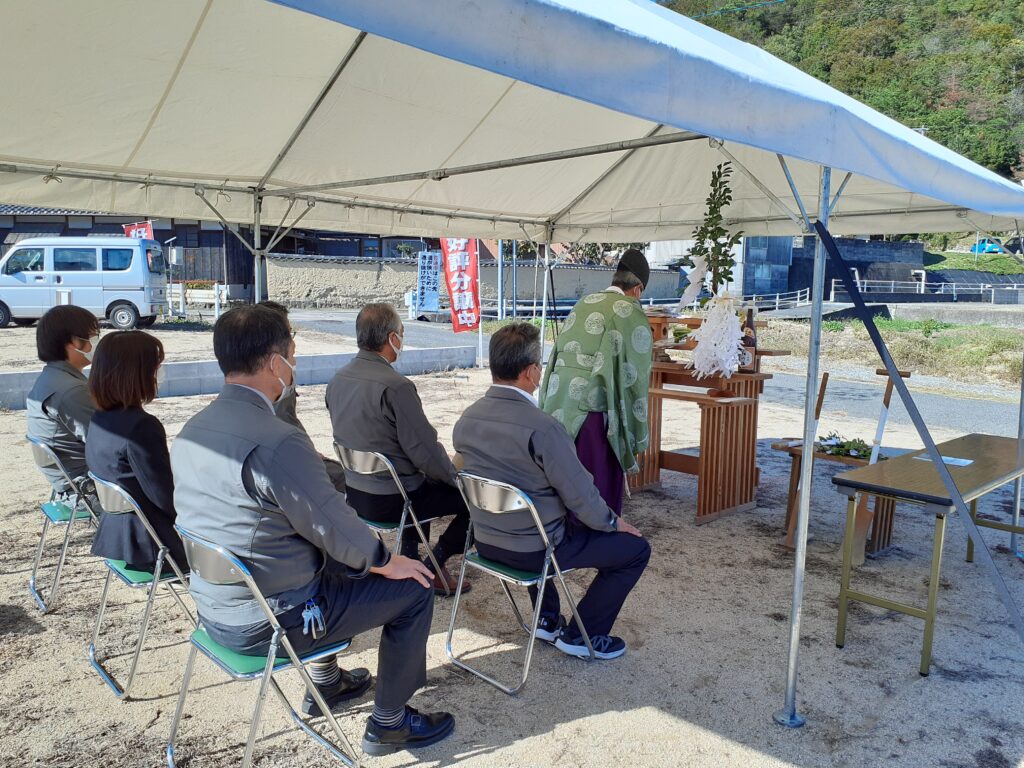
{"x": 505, "y": 436}
{"x": 286, "y": 408}
{"x": 248, "y": 481}
{"x": 375, "y": 408}
{"x": 58, "y": 406}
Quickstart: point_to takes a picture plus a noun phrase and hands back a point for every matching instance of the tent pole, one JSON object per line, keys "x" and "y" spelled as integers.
{"x": 788, "y": 716}
{"x": 501, "y": 283}
{"x": 515, "y": 285}
{"x": 544, "y": 304}
{"x": 257, "y": 206}
{"x": 479, "y": 309}
{"x": 1017, "y": 484}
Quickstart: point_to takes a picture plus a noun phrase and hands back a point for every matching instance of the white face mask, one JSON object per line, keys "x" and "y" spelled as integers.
{"x": 161, "y": 378}
{"x": 93, "y": 341}
{"x": 396, "y": 350}
{"x": 286, "y": 389}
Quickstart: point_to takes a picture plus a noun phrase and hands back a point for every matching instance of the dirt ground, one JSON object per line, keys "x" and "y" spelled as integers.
{"x": 183, "y": 342}
{"x": 707, "y": 630}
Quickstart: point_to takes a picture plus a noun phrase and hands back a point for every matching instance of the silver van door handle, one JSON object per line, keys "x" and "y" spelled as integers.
{"x": 40, "y": 278}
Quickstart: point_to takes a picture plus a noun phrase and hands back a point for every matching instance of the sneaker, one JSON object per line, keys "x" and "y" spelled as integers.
{"x": 417, "y": 730}
{"x": 605, "y": 646}
{"x": 351, "y": 685}
{"x": 549, "y": 628}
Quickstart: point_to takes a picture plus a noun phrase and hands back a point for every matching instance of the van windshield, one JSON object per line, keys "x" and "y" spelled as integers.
{"x": 155, "y": 260}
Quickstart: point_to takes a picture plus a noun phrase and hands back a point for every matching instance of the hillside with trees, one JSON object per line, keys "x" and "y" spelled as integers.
{"x": 952, "y": 68}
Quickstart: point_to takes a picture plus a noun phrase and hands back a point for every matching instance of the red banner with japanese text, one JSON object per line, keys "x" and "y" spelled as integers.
{"x": 460, "y": 274}
{"x": 139, "y": 229}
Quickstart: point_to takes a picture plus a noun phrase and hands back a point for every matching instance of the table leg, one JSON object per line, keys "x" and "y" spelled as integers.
{"x": 793, "y": 502}
{"x": 970, "y": 541}
{"x": 861, "y": 527}
{"x": 933, "y": 593}
{"x": 844, "y": 581}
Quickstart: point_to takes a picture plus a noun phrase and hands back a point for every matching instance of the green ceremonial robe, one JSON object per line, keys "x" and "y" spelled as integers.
{"x": 602, "y": 362}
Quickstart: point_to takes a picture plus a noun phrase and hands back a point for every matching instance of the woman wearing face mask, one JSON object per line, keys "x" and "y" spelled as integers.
{"x": 128, "y": 446}
{"x": 58, "y": 406}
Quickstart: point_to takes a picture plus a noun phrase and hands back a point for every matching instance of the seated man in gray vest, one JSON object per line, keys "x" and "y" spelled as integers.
{"x": 505, "y": 436}
{"x": 245, "y": 479}
{"x": 59, "y": 407}
{"x": 375, "y": 408}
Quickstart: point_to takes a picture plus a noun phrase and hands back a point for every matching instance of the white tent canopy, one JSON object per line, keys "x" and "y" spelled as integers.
{"x": 558, "y": 120}
{"x": 128, "y": 106}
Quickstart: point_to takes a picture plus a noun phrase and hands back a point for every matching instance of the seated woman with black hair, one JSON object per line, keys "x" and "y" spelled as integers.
{"x": 128, "y": 447}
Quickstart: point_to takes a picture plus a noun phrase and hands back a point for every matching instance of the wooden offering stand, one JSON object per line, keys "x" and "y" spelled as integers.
{"x": 726, "y": 462}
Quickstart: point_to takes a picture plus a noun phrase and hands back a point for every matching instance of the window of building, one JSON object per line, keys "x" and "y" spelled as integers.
{"x": 74, "y": 259}
{"x": 116, "y": 259}
{"x": 24, "y": 260}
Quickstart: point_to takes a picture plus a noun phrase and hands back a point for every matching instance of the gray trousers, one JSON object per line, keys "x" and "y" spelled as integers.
{"x": 403, "y": 609}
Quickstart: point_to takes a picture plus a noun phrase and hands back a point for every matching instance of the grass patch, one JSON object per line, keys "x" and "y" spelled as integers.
{"x": 969, "y": 353}
{"x": 996, "y": 263}
{"x": 182, "y": 324}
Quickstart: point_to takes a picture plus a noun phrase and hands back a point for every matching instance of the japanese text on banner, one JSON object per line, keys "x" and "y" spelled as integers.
{"x": 460, "y": 271}
{"x": 139, "y": 229}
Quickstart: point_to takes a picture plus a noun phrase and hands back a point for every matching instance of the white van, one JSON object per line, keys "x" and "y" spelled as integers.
{"x": 117, "y": 278}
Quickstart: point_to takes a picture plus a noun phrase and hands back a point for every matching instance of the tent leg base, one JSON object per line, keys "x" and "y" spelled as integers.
{"x": 789, "y": 719}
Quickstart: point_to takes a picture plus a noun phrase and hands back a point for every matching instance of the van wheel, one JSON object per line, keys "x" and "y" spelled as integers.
{"x": 24, "y": 322}
{"x": 124, "y": 317}
{"x": 5, "y": 315}
{"x": 146, "y": 322}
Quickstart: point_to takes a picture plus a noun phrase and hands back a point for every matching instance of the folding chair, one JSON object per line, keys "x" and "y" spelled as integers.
{"x": 117, "y": 501}
{"x": 216, "y": 565}
{"x": 499, "y": 499}
{"x": 373, "y": 463}
{"x": 56, "y": 513}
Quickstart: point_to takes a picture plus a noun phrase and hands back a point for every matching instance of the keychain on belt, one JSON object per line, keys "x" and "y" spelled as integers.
{"x": 313, "y": 620}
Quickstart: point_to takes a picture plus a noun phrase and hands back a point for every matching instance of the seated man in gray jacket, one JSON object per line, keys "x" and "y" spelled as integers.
{"x": 504, "y": 436}
{"x": 375, "y": 408}
{"x": 59, "y": 407}
{"x": 247, "y": 480}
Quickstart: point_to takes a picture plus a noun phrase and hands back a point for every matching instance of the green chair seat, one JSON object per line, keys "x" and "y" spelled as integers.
{"x": 133, "y": 578}
{"x": 500, "y": 569}
{"x": 242, "y": 665}
{"x": 58, "y": 512}
{"x": 376, "y": 525}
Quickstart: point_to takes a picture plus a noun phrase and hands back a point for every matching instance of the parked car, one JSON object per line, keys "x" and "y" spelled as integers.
{"x": 120, "y": 279}
{"x": 987, "y": 245}
{"x": 1013, "y": 245}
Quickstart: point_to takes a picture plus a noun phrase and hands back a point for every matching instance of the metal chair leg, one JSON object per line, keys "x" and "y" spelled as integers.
{"x": 515, "y": 607}
{"x": 575, "y": 611}
{"x": 350, "y": 758}
{"x": 47, "y": 604}
{"x": 261, "y": 697}
{"x": 531, "y": 630}
{"x": 181, "y": 705}
{"x": 32, "y": 588}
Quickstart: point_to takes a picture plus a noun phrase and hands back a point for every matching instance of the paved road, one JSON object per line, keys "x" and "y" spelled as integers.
{"x": 964, "y": 414}
{"x": 417, "y": 334}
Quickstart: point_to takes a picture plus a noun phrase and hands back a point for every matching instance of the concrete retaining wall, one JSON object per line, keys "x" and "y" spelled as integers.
{"x": 204, "y": 377}
{"x": 305, "y": 284}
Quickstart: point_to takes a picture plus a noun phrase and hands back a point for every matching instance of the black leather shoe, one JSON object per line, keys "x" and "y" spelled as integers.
{"x": 351, "y": 685}
{"x": 418, "y": 730}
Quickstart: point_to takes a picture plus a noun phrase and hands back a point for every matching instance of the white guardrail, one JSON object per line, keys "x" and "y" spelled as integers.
{"x": 216, "y": 296}
{"x": 986, "y": 290}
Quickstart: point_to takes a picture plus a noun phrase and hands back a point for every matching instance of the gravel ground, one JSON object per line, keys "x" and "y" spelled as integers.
{"x": 706, "y": 628}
